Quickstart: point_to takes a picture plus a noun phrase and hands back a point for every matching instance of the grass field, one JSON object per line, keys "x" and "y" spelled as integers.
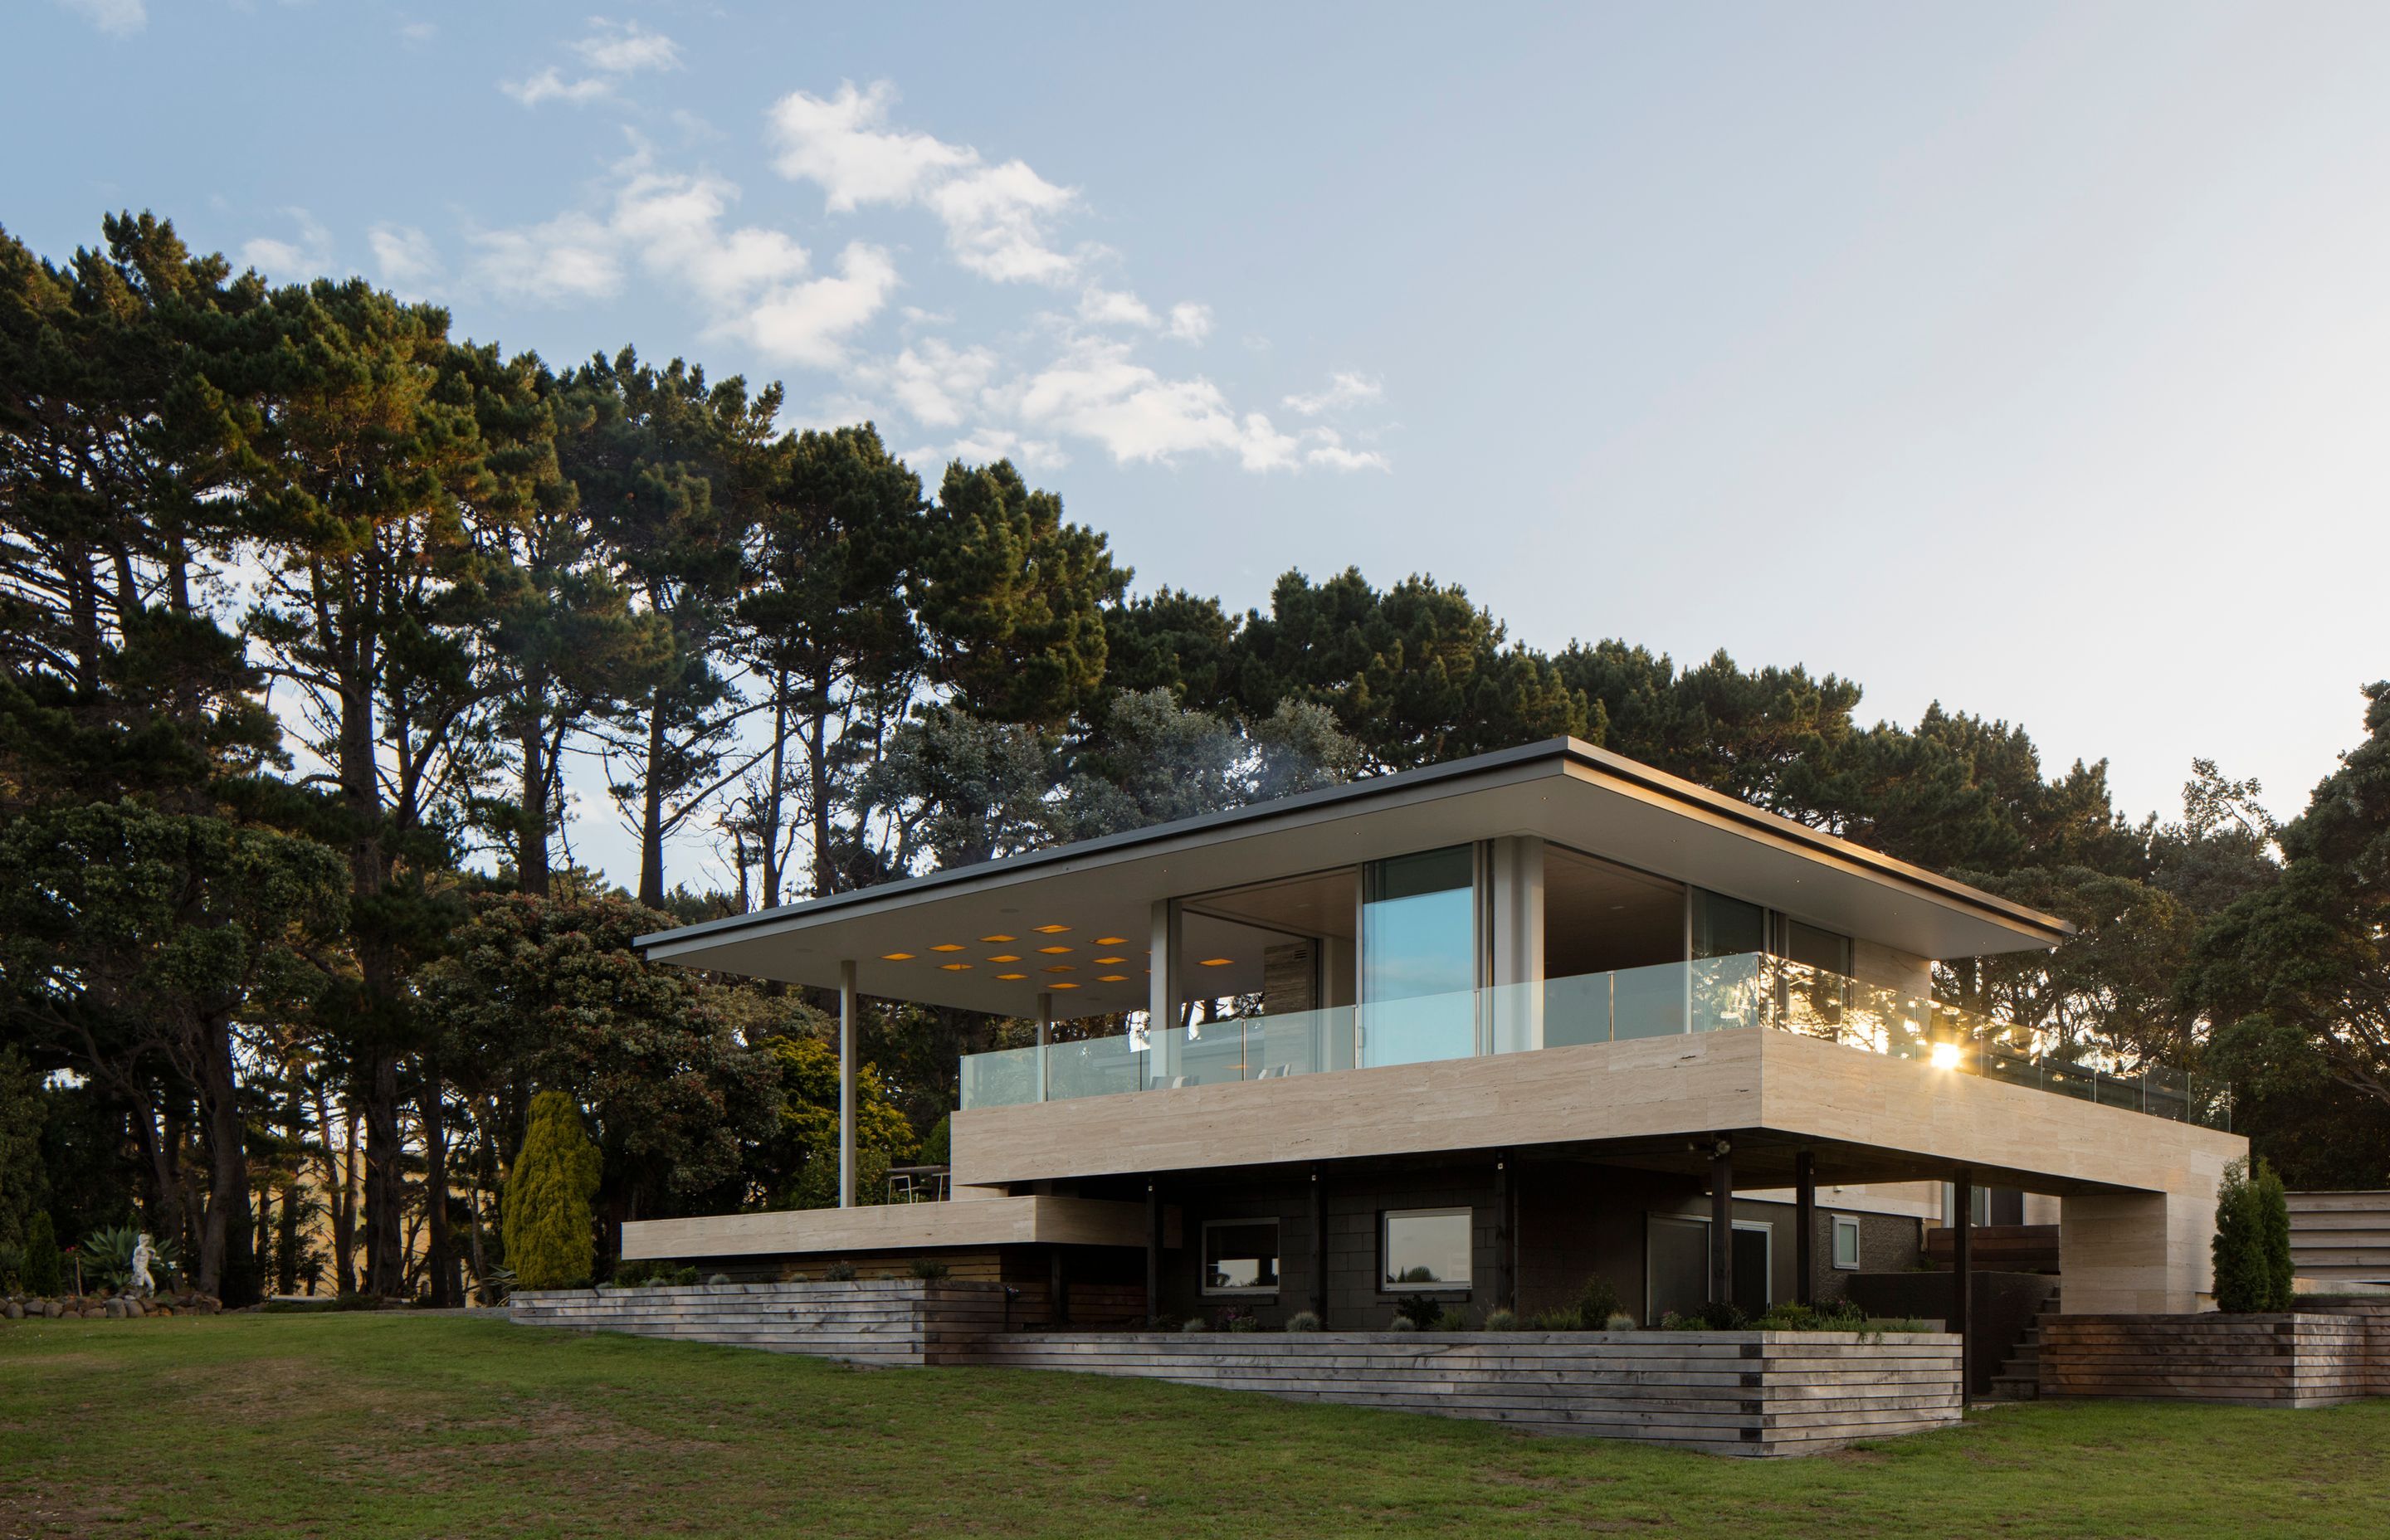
{"x": 395, "y": 1425}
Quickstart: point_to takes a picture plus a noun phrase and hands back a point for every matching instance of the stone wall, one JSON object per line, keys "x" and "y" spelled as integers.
{"x": 893, "y": 1322}
{"x": 1737, "y": 1392}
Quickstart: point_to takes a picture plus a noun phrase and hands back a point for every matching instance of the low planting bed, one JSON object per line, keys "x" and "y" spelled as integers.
{"x": 1733, "y": 1392}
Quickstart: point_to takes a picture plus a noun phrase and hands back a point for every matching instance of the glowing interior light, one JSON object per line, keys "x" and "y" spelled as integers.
{"x": 1053, "y": 951}
{"x": 1005, "y": 957}
{"x": 995, "y": 941}
{"x": 948, "y": 946}
{"x": 1112, "y": 978}
{"x": 1112, "y": 940}
{"x": 1061, "y": 968}
{"x": 1061, "y": 983}
{"x": 1218, "y": 962}
{"x": 1113, "y": 962}
{"x": 1012, "y": 975}
{"x": 954, "y": 968}
{"x": 895, "y": 956}
{"x": 1946, "y": 1055}
{"x": 1052, "y": 929}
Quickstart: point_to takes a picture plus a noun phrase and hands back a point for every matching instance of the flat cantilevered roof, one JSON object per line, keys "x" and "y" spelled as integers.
{"x": 1076, "y": 917}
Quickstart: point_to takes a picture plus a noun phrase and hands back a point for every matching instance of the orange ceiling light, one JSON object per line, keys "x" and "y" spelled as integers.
{"x": 948, "y": 946}
{"x": 1111, "y": 962}
{"x": 955, "y": 967}
{"x": 1012, "y": 975}
{"x": 1112, "y": 978}
{"x": 1112, "y": 940}
{"x": 895, "y": 956}
{"x": 1053, "y": 951}
{"x": 1061, "y": 968}
{"x": 1218, "y": 962}
{"x": 1061, "y": 983}
{"x": 1004, "y": 956}
{"x": 1052, "y": 929}
{"x": 995, "y": 941}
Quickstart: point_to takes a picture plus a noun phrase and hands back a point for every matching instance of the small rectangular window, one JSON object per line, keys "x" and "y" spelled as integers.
{"x": 1846, "y": 1244}
{"x": 1241, "y": 1256}
{"x": 1425, "y": 1249}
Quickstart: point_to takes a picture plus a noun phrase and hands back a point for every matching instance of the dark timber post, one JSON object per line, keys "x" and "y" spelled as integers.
{"x": 1318, "y": 1249}
{"x": 1057, "y": 1289}
{"x": 1962, "y": 1288}
{"x": 1505, "y": 1282}
{"x": 1152, "y": 1256}
{"x": 1722, "y": 1221}
{"x": 1804, "y": 1226}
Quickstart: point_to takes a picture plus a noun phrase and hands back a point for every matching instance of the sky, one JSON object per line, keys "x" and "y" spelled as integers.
{"x": 2033, "y": 359}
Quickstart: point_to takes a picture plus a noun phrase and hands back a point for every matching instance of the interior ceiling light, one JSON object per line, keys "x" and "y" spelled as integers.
{"x": 895, "y": 956}
{"x": 1111, "y": 961}
{"x": 1053, "y": 951}
{"x": 1218, "y": 962}
{"x": 1061, "y": 983}
{"x": 1052, "y": 929}
{"x": 1004, "y": 956}
{"x": 954, "y": 968}
{"x": 1012, "y": 975}
{"x": 947, "y": 946}
{"x": 995, "y": 941}
{"x": 1061, "y": 968}
{"x": 1112, "y": 940}
{"x": 1112, "y": 978}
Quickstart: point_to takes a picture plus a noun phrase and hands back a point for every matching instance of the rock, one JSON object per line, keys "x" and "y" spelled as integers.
{"x": 116, "y": 1310}
{"x": 15, "y": 1312}
{"x": 165, "y": 1310}
{"x": 52, "y": 1309}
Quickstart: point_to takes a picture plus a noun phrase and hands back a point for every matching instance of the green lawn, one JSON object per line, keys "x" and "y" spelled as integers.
{"x": 396, "y": 1425}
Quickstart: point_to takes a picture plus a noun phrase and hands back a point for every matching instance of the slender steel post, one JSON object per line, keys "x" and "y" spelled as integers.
{"x": 1153, "y": 1254}
{"x": 846, "y": 1030}
{"x": 1506, "y": 1281}
{"x": 1044, "y": 1040}
{"x": 1318, "y": 1248}
{"x": 1804, "y": 1221}
{"x": 1722, "y": 1222}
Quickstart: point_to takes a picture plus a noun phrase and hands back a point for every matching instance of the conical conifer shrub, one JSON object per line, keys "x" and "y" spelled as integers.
{"x": 548, "y": 1222}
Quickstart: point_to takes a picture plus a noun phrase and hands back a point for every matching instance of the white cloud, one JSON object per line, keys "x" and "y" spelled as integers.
{"x": 116, "y": 18}
{"x": 625, "y": 48}
{"x": 1096, "y": 391}
{"x": 995, "y": 216}
{"x": 570, "y": 256}
{"x": 1327, "y": 449}
{"x": 1111, "y": 307}
{"x": 290, "y": 262}
{"x": 614, "y": 51}
{"x": 809, "y": 322}
{"x": 935, "y": 381}
{"x": 403, "y": 255}
{"x": 1190, "y": 322}
{"x": 420, "y": 32}
{"x": 1343, "y": 390}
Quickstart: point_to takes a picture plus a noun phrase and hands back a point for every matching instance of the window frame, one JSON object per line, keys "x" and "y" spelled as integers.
{"x": 1386, "y": 1286}
{"x": 1858, "y": 1243}
{"x": 1203, "y": 1259}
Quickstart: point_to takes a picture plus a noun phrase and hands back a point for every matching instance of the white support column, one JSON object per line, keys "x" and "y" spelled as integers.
{"x": 1515, "y": 887}
{"x": 1161, "y": 992}
{"x": 1045, "y": 1039}
{"x": 846, "y": 1030}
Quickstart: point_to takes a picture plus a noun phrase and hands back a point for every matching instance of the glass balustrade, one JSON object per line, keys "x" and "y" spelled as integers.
{"x": 1669, "y": 999}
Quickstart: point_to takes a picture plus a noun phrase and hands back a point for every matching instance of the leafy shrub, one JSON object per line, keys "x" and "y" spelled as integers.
{"x": 1715, "y": 1316}
{"x": 1163, "y": 1321}
{"x": 1501, "y": 1320}
{"x": 548, "y": 1220}
{"x": 44, "y": 1269}
{"x": 1790, "y": 1315}
{"x": 1597, "y": 1302}
{"x": 653, "y": 1274}
{"x": 1303, "y": 1320}
{"x": 1556, "y": 1320}
{"x": 931, "y": 1269}
{"x": 1621, "y": 1321}
{"x": 840, "y": 1272}
{"x": 1233, "y": 1319}
{"x": 718, "y": 1281}
{"x": 12, "y": 1263}
{"x": 357, "y": 1301}
{"x": 2253, "y": 1239}
{"x": 938, "y": 1149}
{"x": 1453, "y": 1318}
{"x": 108, "y": 1258}
{"x": 1420, "y": 1310}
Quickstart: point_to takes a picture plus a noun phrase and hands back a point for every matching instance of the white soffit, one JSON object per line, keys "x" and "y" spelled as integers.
{"x": 1080, "y": 916}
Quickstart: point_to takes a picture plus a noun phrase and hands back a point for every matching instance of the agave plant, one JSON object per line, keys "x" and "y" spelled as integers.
{"x": 108, "y": 1258}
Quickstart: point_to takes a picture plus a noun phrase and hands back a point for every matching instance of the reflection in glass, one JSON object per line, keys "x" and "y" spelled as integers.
{"x": 1419, "y": 957}
{"x": 1426, "y": 1249}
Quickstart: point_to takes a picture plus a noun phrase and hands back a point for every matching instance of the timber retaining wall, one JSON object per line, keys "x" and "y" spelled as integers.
{"x": 2320, "y": 1358}
{"x": 894, "y": 1322}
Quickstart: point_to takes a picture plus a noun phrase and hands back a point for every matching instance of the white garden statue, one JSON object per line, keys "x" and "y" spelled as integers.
{"x": 143, "y": 1255}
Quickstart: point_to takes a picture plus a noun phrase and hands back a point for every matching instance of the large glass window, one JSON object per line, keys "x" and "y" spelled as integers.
{"x": 1724, "y": 982}
{"x": 1419, "y": 957}
{"x": 1241, "y": 1256}
{"x": 1425, "y": 1249}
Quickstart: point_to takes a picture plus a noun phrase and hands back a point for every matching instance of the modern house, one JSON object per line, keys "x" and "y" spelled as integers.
{"x": 1477, "y": 1031}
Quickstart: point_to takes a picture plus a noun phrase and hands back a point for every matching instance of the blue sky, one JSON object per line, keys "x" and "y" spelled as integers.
{"x": 2027, "y": 358}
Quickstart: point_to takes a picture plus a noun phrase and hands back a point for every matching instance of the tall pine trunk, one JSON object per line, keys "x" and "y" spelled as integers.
{"x": 531, "y": 840}
{"x": 227, "y": 1266}
{"x": 441, "y": 1260}
{"x": 652, "y": 808}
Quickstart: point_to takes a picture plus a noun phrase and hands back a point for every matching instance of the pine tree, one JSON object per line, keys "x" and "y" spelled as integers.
{"x": 2273, "y": 1207}
{"x": 2241, "y": 1283}
{"x": 548, "y": 1221}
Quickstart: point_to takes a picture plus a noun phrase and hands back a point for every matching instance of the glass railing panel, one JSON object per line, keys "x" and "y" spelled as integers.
{"x": 1420, "y": 1030}
{"x": 1648, "y": 1002}
{"x": 1728, "y": 993}
{"x": 1095, "y": 1066}
{"x": 1004, "y": 1078}
{"x": 1577, "y": 1012}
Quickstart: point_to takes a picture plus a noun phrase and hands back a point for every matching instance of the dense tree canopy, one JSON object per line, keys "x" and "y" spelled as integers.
{"x": 309, "y": 610}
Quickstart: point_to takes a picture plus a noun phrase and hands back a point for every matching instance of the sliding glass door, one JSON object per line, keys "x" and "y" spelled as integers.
{"x": 1419, "y": 956}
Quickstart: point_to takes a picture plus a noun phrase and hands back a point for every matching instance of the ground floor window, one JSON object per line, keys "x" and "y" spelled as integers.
{"x": 1241, "y": 1256}
{"x": 1424, "y": 1248}
{"x": 1677, "y": 1273}
{"x": 1846, "y": 1243}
